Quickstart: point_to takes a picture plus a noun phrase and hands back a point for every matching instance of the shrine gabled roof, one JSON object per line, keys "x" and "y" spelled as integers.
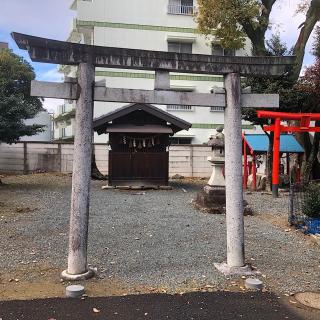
{"x": 176, "y": 123}
{"x": 259, "y": 143}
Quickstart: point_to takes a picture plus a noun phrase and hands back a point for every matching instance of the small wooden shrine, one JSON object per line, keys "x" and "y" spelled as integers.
{"x": 139, "y": 139}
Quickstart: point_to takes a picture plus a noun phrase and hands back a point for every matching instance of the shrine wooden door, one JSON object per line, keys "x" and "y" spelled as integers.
{"x": 138, "y": 168}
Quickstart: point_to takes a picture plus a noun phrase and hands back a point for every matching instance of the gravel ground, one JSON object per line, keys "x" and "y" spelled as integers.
{"x": 263, "y": 203}
{"x": 149, "y": 238}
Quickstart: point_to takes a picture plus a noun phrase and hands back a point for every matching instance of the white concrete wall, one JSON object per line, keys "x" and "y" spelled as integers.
{"x": 42, "y": 118}
{"x": 189, "y": 161}
{"x": 151, "y": 12}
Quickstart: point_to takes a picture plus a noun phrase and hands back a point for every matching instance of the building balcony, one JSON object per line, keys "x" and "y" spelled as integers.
{"x": 182, "y": 10}
{"x": 179, "y": 108}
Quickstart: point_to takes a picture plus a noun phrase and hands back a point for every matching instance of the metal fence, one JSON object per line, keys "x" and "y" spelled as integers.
{"x": 296, "y": 195}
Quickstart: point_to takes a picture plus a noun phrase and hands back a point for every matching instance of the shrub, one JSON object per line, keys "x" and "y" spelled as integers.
{"x": 311, "y": 201}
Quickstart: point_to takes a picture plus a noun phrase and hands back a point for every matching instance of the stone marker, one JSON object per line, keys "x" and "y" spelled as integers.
{"x": 74, "y": 291}
{"x": 255, "y": 284}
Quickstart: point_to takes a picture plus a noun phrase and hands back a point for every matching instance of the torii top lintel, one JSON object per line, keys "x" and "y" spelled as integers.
{"x": 67, "y": 53}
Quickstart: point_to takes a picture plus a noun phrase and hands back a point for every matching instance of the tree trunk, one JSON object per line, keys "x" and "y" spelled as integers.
{"x": 311, "y": 166}
{"x": 304, "y": 140}
{"x": 257, "y": 38}
{"x": 95, "y": 172}
{"x": 312, "y": 17}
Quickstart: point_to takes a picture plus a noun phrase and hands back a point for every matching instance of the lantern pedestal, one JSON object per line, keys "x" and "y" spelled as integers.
{"x": 212, "y": 198}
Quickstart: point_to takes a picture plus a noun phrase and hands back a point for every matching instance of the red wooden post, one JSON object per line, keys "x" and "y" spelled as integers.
{"x": 245, "y": 164}
{"x": 254, "y": 172}
{"x": 276, "y": 158}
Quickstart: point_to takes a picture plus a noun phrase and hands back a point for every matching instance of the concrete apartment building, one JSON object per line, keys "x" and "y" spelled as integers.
{"x": 161, "y": 25}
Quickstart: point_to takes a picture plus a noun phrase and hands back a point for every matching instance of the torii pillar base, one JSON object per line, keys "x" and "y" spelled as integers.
{"x": 236, "y": 271}
{"x": 77, "y": 277}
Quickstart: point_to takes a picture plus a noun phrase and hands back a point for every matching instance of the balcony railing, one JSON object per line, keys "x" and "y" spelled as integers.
{"x": 179, "y": 108}
{"x": 216, "y": 109}
{"x": 183, "y": 10}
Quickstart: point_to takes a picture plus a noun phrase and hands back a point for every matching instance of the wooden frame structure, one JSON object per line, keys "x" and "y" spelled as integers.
{"x": 85, "y": 91}
{"x": 304, "y": 120}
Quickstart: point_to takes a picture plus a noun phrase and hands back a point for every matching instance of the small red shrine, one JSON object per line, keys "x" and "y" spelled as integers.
{"x": 305, "y": 126}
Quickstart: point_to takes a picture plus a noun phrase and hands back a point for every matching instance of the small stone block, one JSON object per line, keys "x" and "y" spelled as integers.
{"x": 74, "y": 291}
{"x": 107, "y": 187}
{"x": 165, "y": 187}
{"x": 137, "y": 187}
{"x": 254, "y": 284}
{"x": 123, "y": 187}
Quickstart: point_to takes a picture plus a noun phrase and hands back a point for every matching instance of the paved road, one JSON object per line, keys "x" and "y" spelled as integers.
{"x": 218, "y": 305}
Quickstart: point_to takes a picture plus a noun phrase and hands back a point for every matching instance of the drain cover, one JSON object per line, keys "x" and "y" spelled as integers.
{"x": 309, "y": 299}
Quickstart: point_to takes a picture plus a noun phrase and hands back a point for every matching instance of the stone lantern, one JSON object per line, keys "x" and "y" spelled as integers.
{"x": 217, "y": 160}
{"x": 213, "y": 196}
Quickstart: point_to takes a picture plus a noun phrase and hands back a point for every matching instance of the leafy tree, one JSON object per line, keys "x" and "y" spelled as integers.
{"x": 16, "y": 104}
{"x": 231, "y": 21}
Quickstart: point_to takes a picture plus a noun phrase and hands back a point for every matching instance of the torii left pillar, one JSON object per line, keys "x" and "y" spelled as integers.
{"x": 81, "y": 176}
{"x": 233, "y": 173}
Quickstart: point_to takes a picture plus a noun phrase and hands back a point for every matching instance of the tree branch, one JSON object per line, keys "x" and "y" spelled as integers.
{"x": 257, "y": 33}
{"x": 268, "y": 3}
{"x": 312, "y": 17}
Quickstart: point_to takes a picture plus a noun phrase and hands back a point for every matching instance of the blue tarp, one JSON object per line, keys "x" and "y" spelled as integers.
{"x": 260, "y": 143}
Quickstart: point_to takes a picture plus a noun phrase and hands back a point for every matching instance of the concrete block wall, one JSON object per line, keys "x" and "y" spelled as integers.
{"x": 12, "y": 157}
{"x": 28, "y": 157}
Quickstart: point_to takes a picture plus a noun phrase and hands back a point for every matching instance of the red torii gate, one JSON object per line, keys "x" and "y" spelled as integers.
{"x": 277, "y": 128}
{"x": 245, "y": 165}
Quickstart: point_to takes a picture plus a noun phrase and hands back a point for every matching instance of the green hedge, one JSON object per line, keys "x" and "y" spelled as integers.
{"x": 311, "y": 201}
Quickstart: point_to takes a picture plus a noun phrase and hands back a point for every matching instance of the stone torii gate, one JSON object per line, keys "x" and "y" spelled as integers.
{"x": 86, "y": 91}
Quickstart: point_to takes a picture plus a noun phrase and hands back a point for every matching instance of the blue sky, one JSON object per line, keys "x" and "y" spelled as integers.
{"x": 44, "y": 18}
{"x": 52, "y": 19}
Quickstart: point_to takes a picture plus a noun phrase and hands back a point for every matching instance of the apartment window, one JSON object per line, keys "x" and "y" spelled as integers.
{"x": 183, "y": 7}
{"x": 63, "y": 132}
{"x": 218, "y": 50}
{"x": 173, "y": 107}
{"x": 180, "y": 47}
{"x": 216, "y": 109}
